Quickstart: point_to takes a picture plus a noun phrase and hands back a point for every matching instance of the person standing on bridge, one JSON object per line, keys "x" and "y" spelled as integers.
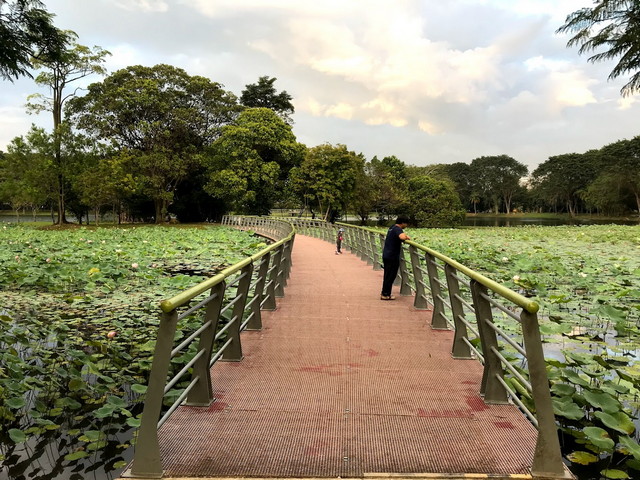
{"x": 339, "y": 239}
{"x": 391, "y": 255}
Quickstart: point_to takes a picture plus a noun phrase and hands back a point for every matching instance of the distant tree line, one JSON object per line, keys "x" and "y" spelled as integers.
{"x": 602, "y": 181}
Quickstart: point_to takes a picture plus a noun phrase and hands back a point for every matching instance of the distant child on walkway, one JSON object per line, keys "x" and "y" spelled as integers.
{"x": 339, "y": 239}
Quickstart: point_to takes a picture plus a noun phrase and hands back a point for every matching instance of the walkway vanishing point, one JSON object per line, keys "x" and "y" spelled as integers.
{"x": 341, "y": 384}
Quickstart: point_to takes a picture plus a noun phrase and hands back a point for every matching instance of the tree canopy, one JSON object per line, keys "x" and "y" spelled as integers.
{"x": 263, "y": 95}
{"x": 27, "y": 33}
{"x": 250, "y": 162}
{"x": 158, "y": 119}
{"x": 326, "y": 180}
{"x": 612, "y": 26}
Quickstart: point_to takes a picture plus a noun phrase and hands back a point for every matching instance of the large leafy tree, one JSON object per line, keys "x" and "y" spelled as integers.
{"x": 562, "y": 178}
{"x": 250, "y": 163}
{"x": 611, "y": 28}
{"x": 58, "y": 72}
{"x": 327, "y": 178}
{"x": 32, "y": 173}
{"x": 27, "y": 33}
{"x": 621, "y": 165}
{"x": 497, "y": 178}
{"x": 389, "y": 177}
{"x": 263, "y": 94}
{"x": 434, "y": 203}
{"x": 159, "y": 119}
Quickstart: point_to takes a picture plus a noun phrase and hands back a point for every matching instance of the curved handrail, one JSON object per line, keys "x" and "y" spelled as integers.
{"x": 450, "y": 299}
{"x": 185, "y": 297}
{"x": 521, "y": 301}
{"x": 257, "y": 281}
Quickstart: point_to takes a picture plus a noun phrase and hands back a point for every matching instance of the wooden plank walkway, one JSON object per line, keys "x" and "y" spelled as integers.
{"x": 341, "y": 384}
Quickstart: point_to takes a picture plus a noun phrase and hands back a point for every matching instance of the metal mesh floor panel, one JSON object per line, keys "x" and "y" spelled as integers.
{"x": 339, "y": 383}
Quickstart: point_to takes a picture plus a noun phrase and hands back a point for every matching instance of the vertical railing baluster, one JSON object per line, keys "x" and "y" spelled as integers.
{"x": 233, "y": 352}
{"x": 493, "y": 391}
{"x": 147, "y": 461}
{"x": 403, "y": 271}
{"x": 256, "y": 320}
{"x": 202, "y": 394}
{"x": 460, "y": 348}
{"x": 547, "y": 460}
{"x": 420, "y": 301}
{"x": 438, "y": 318}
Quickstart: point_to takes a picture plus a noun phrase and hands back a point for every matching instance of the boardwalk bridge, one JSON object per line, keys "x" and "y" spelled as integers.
{"x": 328, "y": 381}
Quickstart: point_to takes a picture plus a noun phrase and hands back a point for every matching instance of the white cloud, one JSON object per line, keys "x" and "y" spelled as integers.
{"x": 143, "y": 5}
{"x": 625, "y": 103}
{"x": 426, "y": 80}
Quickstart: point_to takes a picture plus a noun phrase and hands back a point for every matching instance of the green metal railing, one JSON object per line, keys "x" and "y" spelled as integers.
{"x": 480, "y": 311}
{"x": 231, "y": 303}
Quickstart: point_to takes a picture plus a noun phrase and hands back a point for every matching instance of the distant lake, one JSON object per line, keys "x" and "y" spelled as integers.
{"x": 518, "y": 221}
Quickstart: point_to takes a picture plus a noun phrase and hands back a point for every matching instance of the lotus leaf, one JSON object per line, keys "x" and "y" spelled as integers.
{"x": 630, "y": 446}
{"x": 17, "y": 436}
{"x": 604, "y": 401}
{"x": 633, "y": 464}
{"x": 574, "y": 377}
{"x": 76, "y": 455}
{"x": 563, "y": 389}
{"x": 582, "y": 458}
{"x": 619, "y": 421}
{"x": 15, "y": 403}
{"x": 613, "y": 473}
{"x": 565, "y": 407}
{"x": 599, "y": 438}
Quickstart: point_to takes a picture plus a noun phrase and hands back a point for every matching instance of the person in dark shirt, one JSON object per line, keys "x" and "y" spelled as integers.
{"x": 391, "y": 255}
{"x": 339, "y": 239}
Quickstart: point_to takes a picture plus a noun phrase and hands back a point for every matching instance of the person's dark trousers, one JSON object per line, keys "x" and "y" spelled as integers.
{"x": 391, "y": 267}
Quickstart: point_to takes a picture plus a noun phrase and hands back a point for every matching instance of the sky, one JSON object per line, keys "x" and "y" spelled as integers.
{"x": 429, "y": 81}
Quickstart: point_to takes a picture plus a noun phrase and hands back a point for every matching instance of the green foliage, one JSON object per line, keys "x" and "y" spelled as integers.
{"x": 263, "y": 95}
{"x": 250, "y": 163}
{"x": 158, "y": 120}
{"x": 497, "y": 178}
{"x": 27, "y": 33}
{"x": 327, "y": 178}
{"x": 434, "y": 203}
{"x": 611, "y": 25}
{"x": 63, "y": 377}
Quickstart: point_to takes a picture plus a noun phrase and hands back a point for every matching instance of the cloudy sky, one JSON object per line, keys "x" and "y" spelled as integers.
{"x": 429, "y": 81}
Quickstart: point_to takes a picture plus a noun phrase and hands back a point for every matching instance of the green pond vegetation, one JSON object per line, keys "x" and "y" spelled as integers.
{"x": 587, "y": 281}
{"x": 79, "y": 314}
{"x": 78, "y": 319}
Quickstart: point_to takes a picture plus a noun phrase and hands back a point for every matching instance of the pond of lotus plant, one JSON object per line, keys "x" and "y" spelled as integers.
{"x": 78, "y": 319}
{"x": 587, "y": 281}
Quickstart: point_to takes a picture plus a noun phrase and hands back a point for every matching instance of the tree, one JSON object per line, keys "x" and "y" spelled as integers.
{"x": 389, "y": 177}
{"x": 21, "y": 177}
{"x": 461, "y": 175}
{"x": 263, "y": 95}
{"x": 250, "y": 163}
{"x": 562, "y": 177}
{"x": 27, "y": 33}
{"x": 104, "y": 183}
{"x": 621, "y": 161}
{"x": 497, "y": 178}
{"x": 327, "y": 178}
{"x": 32, "y": 168}
{"x": 160, "y": 120}
{"x": 613, "y": 25}
{"x": 68, "y": 66}
{"x": 434, "y": 203}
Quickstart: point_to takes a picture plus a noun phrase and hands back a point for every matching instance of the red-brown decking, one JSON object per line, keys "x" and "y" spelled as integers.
{"x": 340, "y": 383}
